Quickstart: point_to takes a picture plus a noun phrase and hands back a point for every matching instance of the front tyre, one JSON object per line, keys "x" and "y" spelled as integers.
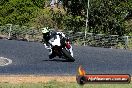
{"x": 67, "y": 55}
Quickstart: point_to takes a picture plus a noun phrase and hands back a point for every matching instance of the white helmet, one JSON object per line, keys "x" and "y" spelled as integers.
{"x": 45, "y": 30}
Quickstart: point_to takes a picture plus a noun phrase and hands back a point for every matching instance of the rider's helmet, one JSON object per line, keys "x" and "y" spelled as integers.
{"x": 45, "y": 30}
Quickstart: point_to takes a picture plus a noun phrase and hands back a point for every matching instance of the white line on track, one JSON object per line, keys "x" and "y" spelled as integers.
{"x": 5, "y": 61}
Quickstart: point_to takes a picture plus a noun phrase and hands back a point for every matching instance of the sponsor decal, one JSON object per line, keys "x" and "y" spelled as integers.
{"x": 83, "y": 78}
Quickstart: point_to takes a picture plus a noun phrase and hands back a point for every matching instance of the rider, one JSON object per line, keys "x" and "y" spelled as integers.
{"x": 48, "y": 36}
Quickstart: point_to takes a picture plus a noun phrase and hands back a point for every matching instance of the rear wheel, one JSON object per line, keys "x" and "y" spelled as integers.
{"x": 67, "y": 55}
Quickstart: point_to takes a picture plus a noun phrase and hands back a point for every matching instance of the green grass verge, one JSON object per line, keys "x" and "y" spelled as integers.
{"x": 54, "y": 84}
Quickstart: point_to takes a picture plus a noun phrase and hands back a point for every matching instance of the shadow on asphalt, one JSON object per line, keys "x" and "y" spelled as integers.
{"x": 57, "y": 60}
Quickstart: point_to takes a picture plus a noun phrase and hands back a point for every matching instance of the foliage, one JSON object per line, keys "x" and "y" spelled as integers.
{"x": 42, "y": 19}
{"x": 3, "y": 2}
{"x": 74, "y": 23}
{"x": 17, "y": 12}
{"x": 105, "y": 16}
{"x": 39, "y": 3}
{"x": 108, "y": 16}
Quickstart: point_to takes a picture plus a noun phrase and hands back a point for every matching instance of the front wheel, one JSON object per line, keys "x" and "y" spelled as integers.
{"x": 67, "y": 55}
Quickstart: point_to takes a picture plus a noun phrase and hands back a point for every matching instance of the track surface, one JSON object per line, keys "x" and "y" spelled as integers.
{"x": 32, "y": 58}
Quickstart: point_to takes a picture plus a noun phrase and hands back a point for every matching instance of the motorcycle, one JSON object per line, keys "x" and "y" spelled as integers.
{"x": 61, "y": 48}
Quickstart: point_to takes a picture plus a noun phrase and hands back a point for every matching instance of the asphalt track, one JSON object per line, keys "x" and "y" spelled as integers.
{"x": 32, "y": 58}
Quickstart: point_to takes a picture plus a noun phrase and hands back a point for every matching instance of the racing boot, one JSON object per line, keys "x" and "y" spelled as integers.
{"x": 51, "y": 56}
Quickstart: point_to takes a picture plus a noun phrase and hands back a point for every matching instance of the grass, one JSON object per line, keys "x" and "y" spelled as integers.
{"x": 55, "y": 84}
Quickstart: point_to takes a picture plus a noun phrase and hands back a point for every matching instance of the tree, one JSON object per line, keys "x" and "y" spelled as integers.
{"x": 107, "y": 16}
{"x": 75, "y": 14}
{"x": 39, "y": 3}
{"x": 3, "y": 2}
{"x": 17, "y": 12}
{"x": 74, "y": 7}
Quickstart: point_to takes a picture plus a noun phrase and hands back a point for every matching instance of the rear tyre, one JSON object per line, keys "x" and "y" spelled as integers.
{"x": 67, "y": 55}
